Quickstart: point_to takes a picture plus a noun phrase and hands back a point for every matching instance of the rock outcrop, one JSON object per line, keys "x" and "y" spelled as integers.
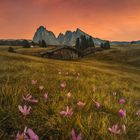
{"x": 47, "y": 36}
{"x": 69, "y": 38}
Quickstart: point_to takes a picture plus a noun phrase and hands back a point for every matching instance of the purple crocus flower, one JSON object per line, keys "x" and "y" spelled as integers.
{"x": 97, "y": 105}
{"x": 31, "y": 134}
{"x": 34, "y": 82}
{"x": 46, "y": 96}
{"x": 69, "y": 94}
{"x": 122, "y": 113}
{"x": 63, "y": 84}
{"x": 114, "y": 129}
{"x": 81, "y": 104}
{"x": 29, "y": 98}
{"x": 138, "y": 113}
{"x": 121, "y": 101}
{"x": 41, "y": 87}
{"x": 68, "y": 112}
{"x": 24, "y": 110}
{"x": 28, "y": 134}
{"x": 74, "y": 137}
{"x": 20, "y": 136}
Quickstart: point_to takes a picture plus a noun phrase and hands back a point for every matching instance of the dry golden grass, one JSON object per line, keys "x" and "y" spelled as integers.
{"x": 97, "y": 81}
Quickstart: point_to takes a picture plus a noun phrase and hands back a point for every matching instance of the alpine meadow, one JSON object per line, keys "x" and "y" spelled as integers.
{"x": 90, "y": 80}
{"x": 69, "y": 70}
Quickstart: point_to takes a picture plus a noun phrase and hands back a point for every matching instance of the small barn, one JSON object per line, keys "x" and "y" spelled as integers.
{"x": 65, "y": 52}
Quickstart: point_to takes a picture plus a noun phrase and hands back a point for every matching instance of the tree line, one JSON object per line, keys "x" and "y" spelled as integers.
{"x": 42, "y": 43}
{"x": 83, "y": 43}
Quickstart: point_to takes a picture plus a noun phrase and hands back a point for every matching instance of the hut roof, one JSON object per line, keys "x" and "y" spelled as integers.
{"x": 60, "y": 48}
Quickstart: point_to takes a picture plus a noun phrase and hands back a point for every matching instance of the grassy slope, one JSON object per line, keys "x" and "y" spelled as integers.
{"x": 32, "y": 51}
{"x": 17, "y": 71}
{"x": 129, "y": 54}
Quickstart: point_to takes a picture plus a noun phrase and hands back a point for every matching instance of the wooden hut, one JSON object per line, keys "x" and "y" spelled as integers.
{"x": 65, "y": 52}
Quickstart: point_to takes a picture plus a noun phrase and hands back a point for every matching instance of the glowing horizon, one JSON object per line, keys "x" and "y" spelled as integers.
{"x": 106, "y": 19}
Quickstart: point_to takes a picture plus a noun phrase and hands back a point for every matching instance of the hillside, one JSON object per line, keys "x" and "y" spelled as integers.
{"x": 126, "y": 54}
{"x": 94, "y": 78}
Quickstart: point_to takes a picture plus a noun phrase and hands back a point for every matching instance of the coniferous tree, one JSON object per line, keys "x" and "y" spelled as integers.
{"x": 105, "y": 45}
{"x": 26, "y": 44}
{"x": 42, "y": 44}
{"x": 78, "y": 43}
{"x": 33, "y": 43}
{"x": 133, "y": 42}
{"x": 102, "y": 45}
{"x": 83, "y": 42}
{"x": 87, "y": 43}
{"x": 90, "y": 42}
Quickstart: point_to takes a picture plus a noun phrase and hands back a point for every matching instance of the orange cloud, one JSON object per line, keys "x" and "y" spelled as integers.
{"x": 107, "y": 19}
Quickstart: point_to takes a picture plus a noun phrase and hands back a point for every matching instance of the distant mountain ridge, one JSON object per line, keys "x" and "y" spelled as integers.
{"x": 69, "y": 38}
{"x": 124, "y": 42}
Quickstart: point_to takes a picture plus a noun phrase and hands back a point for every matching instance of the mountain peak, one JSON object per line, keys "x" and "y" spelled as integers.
{"x": 42, "y": 28}
{"x": 79, "y": 30}
{"x": 60, "y": 35}
{"x": 68, "y": 32}
{"x": 47, "y": 36}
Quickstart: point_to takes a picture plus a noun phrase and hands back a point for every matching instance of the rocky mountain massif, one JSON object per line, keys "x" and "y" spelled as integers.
{"x": 69, "y": 38}
{"x": 47, "y": 36}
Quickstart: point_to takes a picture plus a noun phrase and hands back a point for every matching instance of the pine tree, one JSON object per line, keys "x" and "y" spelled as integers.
{"x": 102, "y": 45}
{"x": 78, "y": 43}
{"x": 87, "y": 43}
{"x": 133, "y": 42}
{"x": 83, "y": 42}
{"x": 42, "y": 44}
{"x": 105, "y": 45}
{"x": 90, "y": 42}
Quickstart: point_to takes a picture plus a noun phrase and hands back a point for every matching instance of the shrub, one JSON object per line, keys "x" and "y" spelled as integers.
{"x": 105, "y": 45}
{"x": 10, "y": 49}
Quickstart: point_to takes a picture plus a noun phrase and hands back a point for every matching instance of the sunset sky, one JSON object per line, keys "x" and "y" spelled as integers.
{"x": 106, "y": 19}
